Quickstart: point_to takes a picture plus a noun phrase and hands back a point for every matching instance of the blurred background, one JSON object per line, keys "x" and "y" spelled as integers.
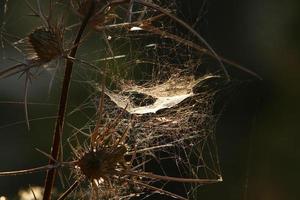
{"x": 258, "y": 131}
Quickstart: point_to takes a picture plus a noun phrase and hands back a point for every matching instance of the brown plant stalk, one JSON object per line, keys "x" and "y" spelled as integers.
{"x": 57, "y": 135}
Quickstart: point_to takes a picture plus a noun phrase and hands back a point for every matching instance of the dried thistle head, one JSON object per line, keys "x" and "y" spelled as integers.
{"x": 101, "y": 162}
{"x": 44, "y": 45}
{"x": 105, "y": 154}
{"x": 40, "y": 47}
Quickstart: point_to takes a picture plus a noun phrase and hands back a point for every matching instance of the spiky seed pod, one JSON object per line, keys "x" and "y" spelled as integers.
{"x": 40, "y": 47}
{"x": 101, "y": 162}
{"x": 44, "y": 45}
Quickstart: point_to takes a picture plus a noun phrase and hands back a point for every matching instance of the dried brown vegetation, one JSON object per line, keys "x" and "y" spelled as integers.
{"x": 153, "y": 120}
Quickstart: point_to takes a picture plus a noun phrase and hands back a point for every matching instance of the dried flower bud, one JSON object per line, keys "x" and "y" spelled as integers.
{"x": 101, "y": 162}
{"x": 40, "y": 47}
{"x": 44, "y": 45}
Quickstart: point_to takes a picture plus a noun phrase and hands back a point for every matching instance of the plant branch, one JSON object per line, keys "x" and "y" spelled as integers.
{"x": 29, "y": 171}
{"x": 57, "y": 136}
{"x": 174, "y": 179}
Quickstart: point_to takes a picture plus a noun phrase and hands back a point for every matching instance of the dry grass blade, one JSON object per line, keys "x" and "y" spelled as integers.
{"x": 69, "y": 190}
{"x": 174, "y": 179}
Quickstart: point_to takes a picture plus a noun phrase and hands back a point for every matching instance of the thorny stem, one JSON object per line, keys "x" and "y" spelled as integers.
{"x": 50, "y": 177}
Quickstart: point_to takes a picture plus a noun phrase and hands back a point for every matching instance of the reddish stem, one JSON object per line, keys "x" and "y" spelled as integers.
{"x": 50, "y": 177}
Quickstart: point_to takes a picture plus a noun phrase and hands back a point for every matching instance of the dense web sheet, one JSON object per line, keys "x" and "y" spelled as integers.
{"x": 160, "y": 96}
{"x": 171, "y": 129}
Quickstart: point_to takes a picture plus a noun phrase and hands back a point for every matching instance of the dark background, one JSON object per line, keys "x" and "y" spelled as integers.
{"x": 258, "y": 132}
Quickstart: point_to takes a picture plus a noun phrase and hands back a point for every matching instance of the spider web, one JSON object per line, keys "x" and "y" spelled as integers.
{"x": 153, "y": 71}
{"x": 152, "y": 66}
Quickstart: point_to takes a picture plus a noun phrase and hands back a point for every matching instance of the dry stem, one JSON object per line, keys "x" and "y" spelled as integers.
{"x": 50, "y": 177}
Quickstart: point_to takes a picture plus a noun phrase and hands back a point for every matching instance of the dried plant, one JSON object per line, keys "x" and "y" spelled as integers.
{"x": 153, "y": 108}
{"x": 41, "y": 47}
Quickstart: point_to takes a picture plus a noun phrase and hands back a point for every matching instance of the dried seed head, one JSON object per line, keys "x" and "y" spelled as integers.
{"x": 44, "y": 44}
{"x": 81, "y": 7}
{"x": 101, "y": 162}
